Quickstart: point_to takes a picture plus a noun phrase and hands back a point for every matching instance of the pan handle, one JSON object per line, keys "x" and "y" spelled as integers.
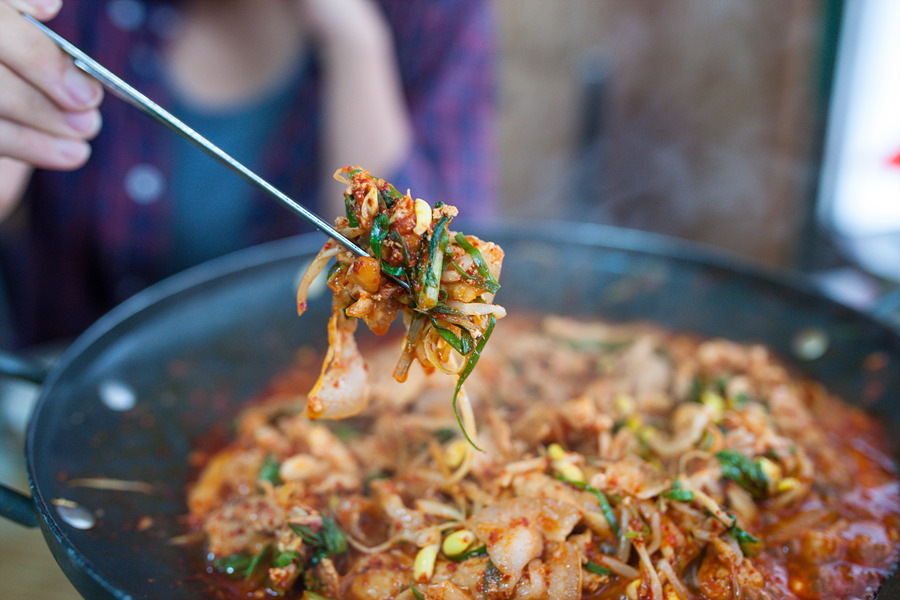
{"x": 15, "y": 505}
{"x": 19, "y": 367}
{"x": 888, "y": 307}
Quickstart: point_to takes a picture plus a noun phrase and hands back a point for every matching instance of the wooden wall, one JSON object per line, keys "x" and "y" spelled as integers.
{"x": 704, "y": 121}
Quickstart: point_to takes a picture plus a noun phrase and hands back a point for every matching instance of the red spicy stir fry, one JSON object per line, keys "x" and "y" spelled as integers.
{"x": 448, "y": 313}
{"x": 620, "y": 461}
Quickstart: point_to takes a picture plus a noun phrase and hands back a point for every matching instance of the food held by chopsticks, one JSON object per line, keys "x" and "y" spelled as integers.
{"x": 448, "y": 308}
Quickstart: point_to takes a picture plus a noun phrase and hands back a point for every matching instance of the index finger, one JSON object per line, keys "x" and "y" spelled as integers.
{"x": 37, "y": 60}
{"x": 42, "y": 10}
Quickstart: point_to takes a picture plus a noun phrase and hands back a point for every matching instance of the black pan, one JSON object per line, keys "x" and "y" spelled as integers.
{"x": 129, "y": 398}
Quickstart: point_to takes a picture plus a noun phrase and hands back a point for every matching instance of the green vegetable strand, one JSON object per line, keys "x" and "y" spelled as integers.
{"x": 462, "y": 343}
{"x": 255, "y": 562}
{"x": 431, "y": 277}
{"x": 284, "y": 559}
{"x": 380, "y": 228}
{"x": 419, "y": 595}
{"x": 679, "y": 493}
{"x": 269, "y": 470}
{"x": 596, "y": 569}
{"x": 487, "y": 281}
{"x": 467, "y": 370}
{"x": 745, "y": 471}
{"x": 330, "y": 541}
{"x": 351, "y": 213}
{"x": 479, "y": 551}
{"x": 749, "y": 544}
{"x": 605, "y": 506}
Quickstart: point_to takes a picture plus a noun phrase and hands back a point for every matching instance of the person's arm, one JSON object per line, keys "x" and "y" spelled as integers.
{"x": 48, "y": 108}
{"x": 446, "y": 52}
{"x": 366, "y": 120}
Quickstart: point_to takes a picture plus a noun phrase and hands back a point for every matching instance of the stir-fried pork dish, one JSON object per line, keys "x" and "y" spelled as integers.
{"x": 615, "y": 461}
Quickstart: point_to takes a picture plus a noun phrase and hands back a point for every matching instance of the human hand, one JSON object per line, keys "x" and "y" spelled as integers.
{"x": 357, "y": 53}
{"x": 48, "y": 108}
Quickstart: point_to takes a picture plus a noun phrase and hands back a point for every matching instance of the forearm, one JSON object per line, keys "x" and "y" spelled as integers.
{"x": 366, "y": 121}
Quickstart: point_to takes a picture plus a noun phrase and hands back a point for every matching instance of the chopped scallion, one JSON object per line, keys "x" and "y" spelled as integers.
{"x": 605, "y": 506}
{"x": 596, "y": 569}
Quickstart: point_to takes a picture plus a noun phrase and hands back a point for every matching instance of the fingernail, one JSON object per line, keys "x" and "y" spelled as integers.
{"x": 45, "y": 9}
{"x": 73, "y": 150}
{"x": 46, "y": 6}
{"x": 77, "y": 85}
{"x": 87, "y": 122}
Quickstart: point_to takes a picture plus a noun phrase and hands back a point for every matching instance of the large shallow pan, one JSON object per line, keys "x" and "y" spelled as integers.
{"x": 129, "y": 398}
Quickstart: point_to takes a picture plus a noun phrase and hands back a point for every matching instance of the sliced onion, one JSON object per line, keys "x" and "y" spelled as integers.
{"x": 618, "y": 567}
{"x": 477, "y": 308}
{"x": 433, "y": 343}
{"x": 312, "y": 271}
{"x": 460, "y": 321}
{"x": 677, "y": 585}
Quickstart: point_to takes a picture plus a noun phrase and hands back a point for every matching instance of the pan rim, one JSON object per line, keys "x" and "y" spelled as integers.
{"x": 577, "y": 234}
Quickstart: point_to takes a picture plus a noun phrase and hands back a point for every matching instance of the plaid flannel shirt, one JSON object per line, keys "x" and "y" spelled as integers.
{"x": 96, "y": 236}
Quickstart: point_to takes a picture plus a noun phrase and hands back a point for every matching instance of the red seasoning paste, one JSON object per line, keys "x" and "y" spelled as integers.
{"x": 615, "y": 461}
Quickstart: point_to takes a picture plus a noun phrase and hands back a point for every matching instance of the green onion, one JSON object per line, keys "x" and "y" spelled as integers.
{"x": 351, "y": 214}
{"x": 487, "y": 281}
{"x": 330, "y": 541}
{"x": 284, "y": 559}
{"x": 234, "y": 565}
{"x": 462, "y": 343}
{"x": 467, "y": 370}
{"x": 306, "y": 534}
{"x": 380, "y": 232}
{"x": 388, "y": 197}
{"x": 745, "y": 471}
{"x": 479, "y": 551}
{"x": 596, "y": 569}
{"x": 605, "y": 506}
{"x": 419, "y": 595}
{"x": 679, "y": 493}
{"x": 749, "y": 544}
{"x": 492, "y": 580}
{"x": 390, "y": 269}
{"x": 444, "y": 434}
{"x": 721, "y": 386}
{"x": 333, "y": 537}
{"x": 696, "y": 390}
{"x": 380, "y": 228}
{"x": 431, "y": 278}
{"x": 269, "y": 470}
{"x": 254, "y": 563}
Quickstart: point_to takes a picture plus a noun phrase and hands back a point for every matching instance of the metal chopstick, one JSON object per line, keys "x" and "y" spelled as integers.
{"x": 151, "y": 108}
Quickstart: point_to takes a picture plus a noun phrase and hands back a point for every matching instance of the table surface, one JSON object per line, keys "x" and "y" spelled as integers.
{"x": 27, "y": 569}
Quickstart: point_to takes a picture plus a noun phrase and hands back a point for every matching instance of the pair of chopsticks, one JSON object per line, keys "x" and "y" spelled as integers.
{"x": 152, "y": 109}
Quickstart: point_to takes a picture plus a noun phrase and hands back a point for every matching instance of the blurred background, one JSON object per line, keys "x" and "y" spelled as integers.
{"x": 767, "y": 129}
